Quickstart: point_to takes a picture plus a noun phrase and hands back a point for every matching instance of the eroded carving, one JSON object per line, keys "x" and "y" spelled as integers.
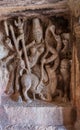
{"x": 40, "y": 65}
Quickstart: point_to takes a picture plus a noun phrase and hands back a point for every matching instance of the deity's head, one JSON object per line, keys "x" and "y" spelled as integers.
{"x": 37, "y": 30}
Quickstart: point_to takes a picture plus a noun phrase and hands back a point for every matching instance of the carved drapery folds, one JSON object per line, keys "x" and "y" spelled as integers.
{"x": 39, "y": 67}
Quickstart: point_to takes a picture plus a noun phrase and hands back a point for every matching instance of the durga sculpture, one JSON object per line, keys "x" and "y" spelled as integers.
{"x": 37, "y": 60}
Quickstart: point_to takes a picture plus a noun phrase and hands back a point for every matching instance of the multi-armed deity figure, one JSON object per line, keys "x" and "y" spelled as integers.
{"x": 37, "y": 66}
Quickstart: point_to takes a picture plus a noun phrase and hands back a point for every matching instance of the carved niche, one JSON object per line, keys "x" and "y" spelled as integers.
{"x": 38, "y": 58}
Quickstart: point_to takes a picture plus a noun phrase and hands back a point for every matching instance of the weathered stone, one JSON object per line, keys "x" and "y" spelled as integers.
{"x": 4, "y": 121}
{"x": 36, "y": 115}
{"x": 41, "y": 115}
{"x": 12, "y": 7}
{"x": 3, "y": 51}
{"x": 3, "y": 79}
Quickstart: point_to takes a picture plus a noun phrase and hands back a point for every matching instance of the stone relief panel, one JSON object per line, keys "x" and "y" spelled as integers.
{"x": 37, "y": 58}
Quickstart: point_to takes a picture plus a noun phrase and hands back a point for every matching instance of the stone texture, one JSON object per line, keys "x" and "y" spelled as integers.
{"x": 34, "y": 116}
{"x": 3, "y": 118}
{"x": 25, "y": 2}
{"x": 75, "y": 7}
{"x": 3, "y": 51}
{"x": 75, "y": 10}
{"x": 37, "y": 115}
{"x": 3, "y": 80}
{"x": 32, "y": 7}
{"x": 26, "y": 127}
{"x": 8, "y": 113}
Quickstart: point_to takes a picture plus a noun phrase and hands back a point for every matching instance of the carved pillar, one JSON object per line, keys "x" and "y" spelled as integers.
{"x": 75, "y": 12}
{"x": 77, "y": 60}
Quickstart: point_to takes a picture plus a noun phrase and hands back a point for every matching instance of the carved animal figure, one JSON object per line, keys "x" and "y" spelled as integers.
{"x": 30, "y": 81}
